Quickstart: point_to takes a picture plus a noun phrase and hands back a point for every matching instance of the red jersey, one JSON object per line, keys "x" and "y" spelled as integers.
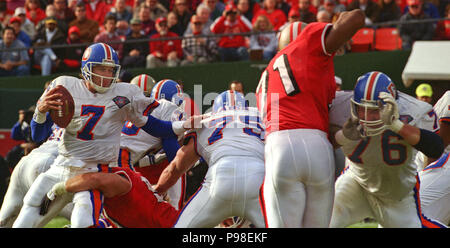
{"x": 298, "y": 85}
{"x": 140, "y": 207}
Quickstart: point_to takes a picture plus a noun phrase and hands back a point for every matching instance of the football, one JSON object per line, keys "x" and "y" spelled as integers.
{"x": 63, "y": 116}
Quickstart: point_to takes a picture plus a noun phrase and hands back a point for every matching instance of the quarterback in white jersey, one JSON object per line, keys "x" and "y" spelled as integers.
{"x": 92, "y": 139}
{"x": 435, "y": 178}
{"x": 380, "y": 179}
{"x": 231, "y": 142}
{"x": 137, "y": 147}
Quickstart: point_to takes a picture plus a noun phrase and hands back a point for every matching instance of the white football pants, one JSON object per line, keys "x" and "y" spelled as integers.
{"x": 352, "y": 204}
{"x": 298, "y": 186}
{"x": 87, "y": 204}
{"x": 435, "y": 190}
{"x": 231, "y": 188}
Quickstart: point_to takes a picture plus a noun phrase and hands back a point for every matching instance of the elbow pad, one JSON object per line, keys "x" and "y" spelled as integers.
{"x": 430, "y": 144}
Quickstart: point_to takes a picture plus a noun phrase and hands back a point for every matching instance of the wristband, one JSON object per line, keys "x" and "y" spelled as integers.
{"x": 39, "y": 117}
{"x": 396, "y": 126}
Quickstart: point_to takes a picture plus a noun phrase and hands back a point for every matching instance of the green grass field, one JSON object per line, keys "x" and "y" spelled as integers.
{"x": 57, "y": 222}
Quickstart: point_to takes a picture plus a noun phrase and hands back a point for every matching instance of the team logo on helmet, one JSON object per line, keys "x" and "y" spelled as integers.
{"x": 86, "y": 54}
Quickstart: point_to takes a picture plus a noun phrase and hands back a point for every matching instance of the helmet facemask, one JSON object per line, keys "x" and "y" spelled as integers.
{"x": 103, "y": 86}
{"x": 369, "y": 115}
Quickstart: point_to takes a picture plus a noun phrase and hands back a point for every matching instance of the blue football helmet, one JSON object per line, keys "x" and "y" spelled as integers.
{"x": 104, "y": 55}
{"x": 144, "y": 82}
{"x": 366, "y": 102}
{"x": 229, "y": 100}
{"x": 169, "y": 90}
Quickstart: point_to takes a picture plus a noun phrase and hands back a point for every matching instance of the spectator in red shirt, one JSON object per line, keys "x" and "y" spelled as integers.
{"x": 233, "y": 47}
{"x": 33, "y": 11}
{"x": 276, "y": 16}
{"x": 164, "y": 52}
{"x": 96, "y": 10}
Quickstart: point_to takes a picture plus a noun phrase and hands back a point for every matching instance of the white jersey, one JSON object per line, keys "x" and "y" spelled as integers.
{"x": 340, "y": 108}
{"x": 384, "y": 164}
{"x": 230, "y": 133}
{"x": 137, "y": 141}
{"x": 442, "y": 110}
{"x": 93, "y": 135}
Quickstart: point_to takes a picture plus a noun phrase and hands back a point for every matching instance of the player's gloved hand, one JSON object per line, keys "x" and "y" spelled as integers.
{"x": 389, "y": 113}
{"x": 151, "y": 159}
{"x": 57, "y": 190}
{"x": 352, "y": 129}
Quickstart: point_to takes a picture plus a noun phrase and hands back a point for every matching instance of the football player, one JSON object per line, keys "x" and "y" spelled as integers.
{"x": 141, "y": 150}
{"x": 145, "y": 82}
{"x": 380, "y": 141}
{"x": 24, "y": 174}
{"x": 435, "y": 183}
{"x": 91, "y": 141}
{"x": 293, "y": 95}
{"x": 231, "y": 142}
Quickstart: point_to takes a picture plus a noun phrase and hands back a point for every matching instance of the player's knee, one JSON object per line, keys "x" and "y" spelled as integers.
{"x": 39, "y": 189}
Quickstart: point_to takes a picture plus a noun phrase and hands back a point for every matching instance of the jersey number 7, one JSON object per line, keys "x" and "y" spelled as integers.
{"x": 94, "y": 113}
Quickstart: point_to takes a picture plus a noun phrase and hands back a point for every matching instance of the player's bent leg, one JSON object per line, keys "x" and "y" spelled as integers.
{"x": 435, "y": 194}
{"x": 247, "y": 182}
{"x": 87, "y": 208}
{"x": 55, "y": 209}
{"x": 29, "y": 214}
{"x": 350, "y": 203}
{"x": 13, "y": 201}
{"x": 283, "y": 194}
{"x": 197, "y": 211}
{"x": 283, "y": 208}
{"x": 254, "y": 214}
{"x": 319, "y": 179}
{"x": 319, "y": 205}
{"x": 23, "y": 176}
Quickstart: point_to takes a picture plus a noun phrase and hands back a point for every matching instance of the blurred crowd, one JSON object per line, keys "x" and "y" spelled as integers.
{"x": 50, "y": 35}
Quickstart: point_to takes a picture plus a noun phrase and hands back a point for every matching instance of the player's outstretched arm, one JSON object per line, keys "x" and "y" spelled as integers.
{"x": 165, "y": 129}
{"x": 348, "y": 23}
{"x": 185, "y": 158}
{"x": 110, "y": 184}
